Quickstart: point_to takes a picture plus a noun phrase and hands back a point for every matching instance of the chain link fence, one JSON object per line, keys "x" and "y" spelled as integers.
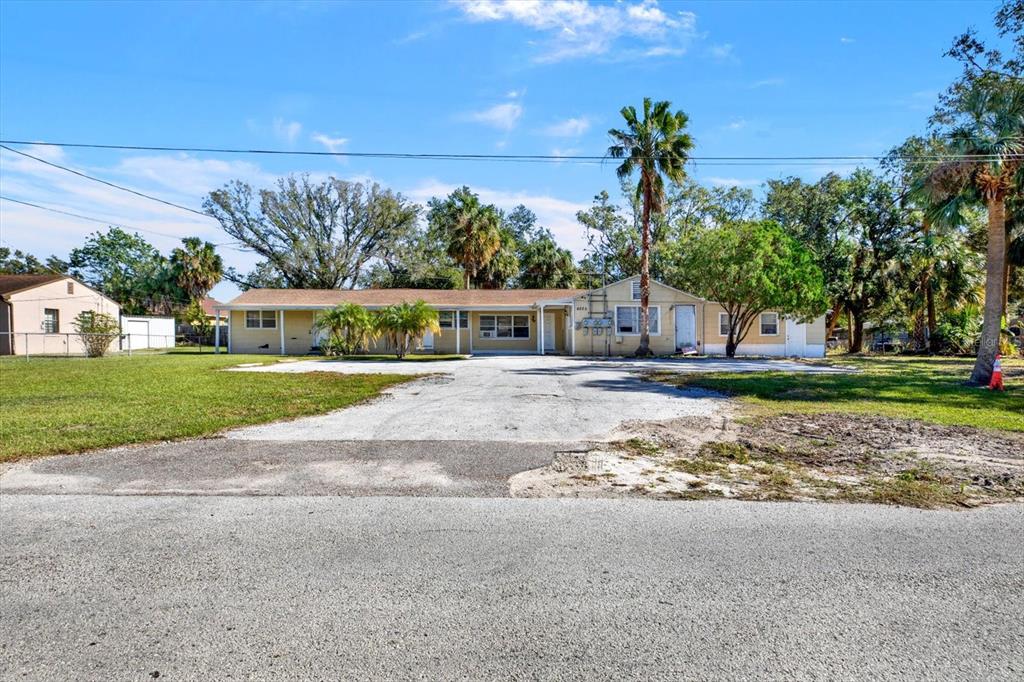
{"x": 42, "y": 344}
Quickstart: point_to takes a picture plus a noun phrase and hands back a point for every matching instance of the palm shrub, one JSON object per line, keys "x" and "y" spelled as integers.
{"x": 97, "y": 331}
{"x": 350, "y": 328}
{"x": 403, "y": 323}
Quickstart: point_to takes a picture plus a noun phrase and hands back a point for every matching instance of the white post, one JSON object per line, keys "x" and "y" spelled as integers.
{"x": 540, "y": 329}
{"x": 469, "y": 330}
{"x": 281, "y": 325}
{"x": 216, "y": 331}
{"x": 572, "y": 328}
{"x": 458, "y": 331}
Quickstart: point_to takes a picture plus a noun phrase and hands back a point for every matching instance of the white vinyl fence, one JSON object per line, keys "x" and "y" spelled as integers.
{"x": 139, "y": 332}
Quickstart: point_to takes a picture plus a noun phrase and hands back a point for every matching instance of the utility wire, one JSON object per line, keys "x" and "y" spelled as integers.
{"x": 100, "y": 220}
{"x": 497, "y": 157}
{"x": 105, "y": 182}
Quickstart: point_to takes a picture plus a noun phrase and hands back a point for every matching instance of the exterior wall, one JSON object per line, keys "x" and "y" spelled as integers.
{"x": 28, "y": 307}
{"x": 528, "y": 345}
{"x": 621, "y": 294}
{"x": 757, "y": 344}
{"x": 5, "y": 328}
{"x": 298, "y": 334}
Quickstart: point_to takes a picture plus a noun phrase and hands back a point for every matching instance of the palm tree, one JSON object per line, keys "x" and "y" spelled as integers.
{"x": 197, "y": 268}
{"x": 404, "y": 322}
{"x": 475, "y": 235}
{"x": 655, "y": 146}
{"x": 350, "y": 327}
{"x": 989, "y": 147}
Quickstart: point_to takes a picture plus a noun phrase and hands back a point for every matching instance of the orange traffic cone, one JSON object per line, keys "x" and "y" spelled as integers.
{"x": 996, "y": 382}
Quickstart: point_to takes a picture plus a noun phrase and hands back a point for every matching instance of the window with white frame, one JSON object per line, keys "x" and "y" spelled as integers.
{"x": 769, "y": 324}
{"x": 627, "y": 320}
{"x": 723, "y": 324}
{"x": 51, "y": 321}
{"x": 446, "y": 319}
{"x": 636, "y": 290}
{"x": 504, "y": 326}
{"x": 260, "y": 319}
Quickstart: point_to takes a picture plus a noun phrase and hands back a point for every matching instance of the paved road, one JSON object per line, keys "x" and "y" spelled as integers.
{"x": 403, "y": 588}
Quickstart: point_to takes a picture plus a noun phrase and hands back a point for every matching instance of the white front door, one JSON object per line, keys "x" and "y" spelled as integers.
{"x": 686, "y": 327}
{"x": 796, "y": 338}
{"x": 549, "y": 331}
{"x": 427, "y": 343}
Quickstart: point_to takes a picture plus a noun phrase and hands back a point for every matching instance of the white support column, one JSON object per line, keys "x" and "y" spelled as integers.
{"x": 469, "y": 330}
{"x": 458, "y": 331}
{"x": 540, "y": 330}
{"x": 572, "y": 328}
{"x": 280, "y": 324}
{"x": 216, "y": 331}
{"x": 229, "y": 331}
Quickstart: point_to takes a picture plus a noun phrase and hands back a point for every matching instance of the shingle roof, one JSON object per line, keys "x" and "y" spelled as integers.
{"x": 10, "y": 284}
{"x": 381, "y": 297}
{"x": 209, "y": 304}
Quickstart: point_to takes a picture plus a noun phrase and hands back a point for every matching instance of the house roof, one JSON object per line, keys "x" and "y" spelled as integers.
{"x": 210, "y": 305}
{"x": 11, "y": 284}
{"x": 254, "y": 298}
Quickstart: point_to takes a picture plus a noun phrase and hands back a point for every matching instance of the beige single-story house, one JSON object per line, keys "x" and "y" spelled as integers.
{"x": 36, "y": 312}
{"x": 602, "y": 321}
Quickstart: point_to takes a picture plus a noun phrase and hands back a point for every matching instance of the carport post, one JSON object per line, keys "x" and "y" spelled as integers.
{"x": 281, "y": 316}
{"x": 216, "y": 331}
{"x": 540, "y": 330}
{"x": 572, "y": 328}
{"x": 458, "y": 331}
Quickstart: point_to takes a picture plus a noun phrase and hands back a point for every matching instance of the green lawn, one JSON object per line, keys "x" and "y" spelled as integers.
{"x": 929, "y": 389}
{"x": 57, "y": 405}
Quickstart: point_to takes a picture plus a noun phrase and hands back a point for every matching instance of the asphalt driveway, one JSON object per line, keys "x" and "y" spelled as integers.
{"x": 523, "y": 398}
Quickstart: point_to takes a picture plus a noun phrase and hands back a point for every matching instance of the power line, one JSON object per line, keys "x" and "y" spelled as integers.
{"x": 549, "y": 158}
{"x": 100, "y": 220}
{"x": 104, "y": 182}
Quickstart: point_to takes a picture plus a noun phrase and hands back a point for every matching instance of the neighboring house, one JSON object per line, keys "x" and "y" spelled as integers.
{"x": 37, "y": 311}
{"x": 602, "y": 321}
{"x": 210, "y": 306}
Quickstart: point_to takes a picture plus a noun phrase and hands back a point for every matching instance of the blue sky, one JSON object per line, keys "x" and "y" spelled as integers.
{"x": 759, "y": 78}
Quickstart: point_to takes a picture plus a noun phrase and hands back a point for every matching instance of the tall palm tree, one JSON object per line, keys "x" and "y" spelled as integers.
{"x": 989, "y": 149}
{"x": 196, "y": 266}
{"x": 656, "y": 146}
{"x": 475, "y": 235}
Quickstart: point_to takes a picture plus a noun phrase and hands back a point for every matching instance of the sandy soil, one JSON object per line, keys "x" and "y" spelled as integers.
{"x": 827, "y": 457}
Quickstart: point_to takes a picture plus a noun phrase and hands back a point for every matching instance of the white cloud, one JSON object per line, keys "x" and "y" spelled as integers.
{"x": 734, "y": 182}
{"x": 735, "y": 124}
{"x": 501, "y": 116}
{"x": 558, "y": 215}
{"x": 333, "y": 144}
{"x": 847, "y": 41}
{"x": 570, "y": 127}
{"x": 577, "y": 28}
{"x": 768, "y": 83}
{"x": 722, "y": 52}
{"x": 288, "y": 131}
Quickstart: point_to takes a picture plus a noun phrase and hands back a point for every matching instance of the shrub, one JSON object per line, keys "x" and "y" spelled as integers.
{"x": 97, "y": 331}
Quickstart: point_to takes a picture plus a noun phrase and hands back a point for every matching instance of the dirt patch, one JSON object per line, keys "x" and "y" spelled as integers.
{"x": 826, "y": 457}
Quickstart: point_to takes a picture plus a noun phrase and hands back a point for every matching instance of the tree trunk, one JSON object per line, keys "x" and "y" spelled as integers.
{"x": 730, "y": 348}
{"x": 833, "y": 320}
{"x": 857, "y": 334}
{"x": 1006, "y": 277}
{"x": 644, "y": 349}
{"x": 933, "y": 341}
{"x": 988, "y": 346}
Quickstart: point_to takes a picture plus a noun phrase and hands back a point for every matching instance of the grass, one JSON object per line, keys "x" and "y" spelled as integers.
{"x": 929, "y": 389}
{"x": 64, "y": 405}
